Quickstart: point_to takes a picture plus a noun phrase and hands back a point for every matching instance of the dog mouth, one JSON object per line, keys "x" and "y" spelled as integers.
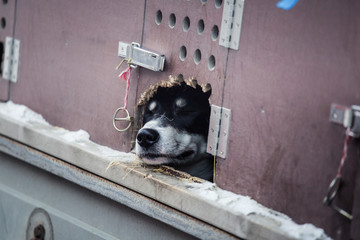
{"x": 152, "y": 157}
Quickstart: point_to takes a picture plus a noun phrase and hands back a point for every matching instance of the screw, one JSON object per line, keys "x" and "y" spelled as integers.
{"x": 39, "y": 232}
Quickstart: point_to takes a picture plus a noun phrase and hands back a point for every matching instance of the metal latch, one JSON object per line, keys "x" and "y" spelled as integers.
{"x": 349, "y": 117}
{"x": 218, "y": 131}
{"x": 11, "y": 59}
{"x": 231, "y": 23}
{"x": 128, "y": 119}
{"x": 141, "y": 57}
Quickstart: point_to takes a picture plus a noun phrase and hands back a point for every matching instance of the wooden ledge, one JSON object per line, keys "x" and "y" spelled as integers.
{"x": 235, "y": 214}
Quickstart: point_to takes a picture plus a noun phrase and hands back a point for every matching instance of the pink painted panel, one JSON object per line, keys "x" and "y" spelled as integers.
{"x": 7, "y": 11}
{"x": 68, "y": 57}
{"x": 167, "y": 37}
{"x": 290, "y": 67}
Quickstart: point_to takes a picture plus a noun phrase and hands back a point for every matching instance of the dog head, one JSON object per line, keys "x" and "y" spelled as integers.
{"x": 175, "y": 123}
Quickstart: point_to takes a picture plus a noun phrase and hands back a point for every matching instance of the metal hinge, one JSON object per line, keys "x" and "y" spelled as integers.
{"x": 141, "y": 57}
{"x": 11, "y": 59}
{"x": 218, "y": 131}
{"x": 349, "y": 117}
{"x": 231, "y": 23}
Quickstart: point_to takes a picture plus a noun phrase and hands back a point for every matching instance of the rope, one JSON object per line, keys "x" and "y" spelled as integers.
{"x": 126, "y": 75}
{"x": 335, "y": 184}
{"x": 344, "y": 155}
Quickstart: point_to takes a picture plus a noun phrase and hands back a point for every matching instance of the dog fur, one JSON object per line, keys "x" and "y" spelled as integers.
{"x": 175, "y": 127}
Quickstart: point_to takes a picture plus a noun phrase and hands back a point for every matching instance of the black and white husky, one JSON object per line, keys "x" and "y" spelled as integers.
{"x": 176, "y": 122}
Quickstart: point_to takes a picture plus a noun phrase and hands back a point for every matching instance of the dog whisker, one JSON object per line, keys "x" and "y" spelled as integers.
{"x": 163, "y": 116}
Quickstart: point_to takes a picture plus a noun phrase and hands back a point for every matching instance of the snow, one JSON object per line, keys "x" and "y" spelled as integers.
{"x": 78, "y": 138}
{"x": 21, "y": 113}
{"x": 246, "y": 206}
{"x": 237, "y": 204}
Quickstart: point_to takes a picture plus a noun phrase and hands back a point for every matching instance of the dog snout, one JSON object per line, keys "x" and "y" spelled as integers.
{"x": 147, "y": 137}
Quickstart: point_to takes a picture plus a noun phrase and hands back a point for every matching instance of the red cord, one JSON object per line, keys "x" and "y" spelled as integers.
{"x": 126, "y": 75}
{"x": 344, "y": 155}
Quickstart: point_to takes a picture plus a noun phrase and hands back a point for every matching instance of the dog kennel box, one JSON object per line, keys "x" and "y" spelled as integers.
{"x": 290, "y": 66}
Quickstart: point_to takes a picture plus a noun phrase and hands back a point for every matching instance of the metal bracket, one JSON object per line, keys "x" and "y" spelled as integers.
{"x": 231, "y": 23}
{"x": 349, "y": 117}
{"x": 141, "y": 57}
{"x": 11, "y": 59}
{"x": 218, "y": 131}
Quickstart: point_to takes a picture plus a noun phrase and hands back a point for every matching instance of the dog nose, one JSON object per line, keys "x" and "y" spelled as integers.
{"x": 147, "y": 137}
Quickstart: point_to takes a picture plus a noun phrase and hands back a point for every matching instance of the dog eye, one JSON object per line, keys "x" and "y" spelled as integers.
{"x": 153, "y": 107}
{"x": 184, "y": 111}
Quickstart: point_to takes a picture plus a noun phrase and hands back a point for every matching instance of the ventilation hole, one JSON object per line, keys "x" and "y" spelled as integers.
{"x": 211, "y": 63}
{"x": 214, "y": 32}
{"x": 172, "y": 20}
{"x": 3, "y": 23}
{"x": 197, "y": 56}
{"x": 158, "y": 17}
{"x": 5, "y": 2}
{"x": 1, "y": 58}
{"x": 180, "y": 76}
{"x": 186, "y": 24}
{"x": 183, "y": 53}
{"x": 218, "y": 3}
{"x": 200, "y": 26}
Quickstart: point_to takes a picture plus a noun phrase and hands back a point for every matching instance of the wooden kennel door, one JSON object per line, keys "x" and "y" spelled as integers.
{"x": 7, "y": 13}
{"x": 290, "y": 67}
{"x": 186, "y": 32}
{"x": 67, "y": 61}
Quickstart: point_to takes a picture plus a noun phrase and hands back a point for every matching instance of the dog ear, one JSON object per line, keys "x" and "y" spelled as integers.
{"x": 207, "y": 90}
{"x": 180, "y": 78}
{"x": 176, "y": 80}
{"x": 193, "y": 83}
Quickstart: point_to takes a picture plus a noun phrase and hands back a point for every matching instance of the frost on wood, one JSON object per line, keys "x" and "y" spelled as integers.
{"x": 250, "y": 218}
{"x": 244, "y": 205}
{"x": 21, "y": 113}
{"x": 80, "y": 138}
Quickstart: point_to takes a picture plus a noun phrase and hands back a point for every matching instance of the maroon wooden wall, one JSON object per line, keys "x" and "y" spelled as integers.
{"x": 291, "y": 65}
{"x": 7, "y": 15}
{"x": 68, "y": 56}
